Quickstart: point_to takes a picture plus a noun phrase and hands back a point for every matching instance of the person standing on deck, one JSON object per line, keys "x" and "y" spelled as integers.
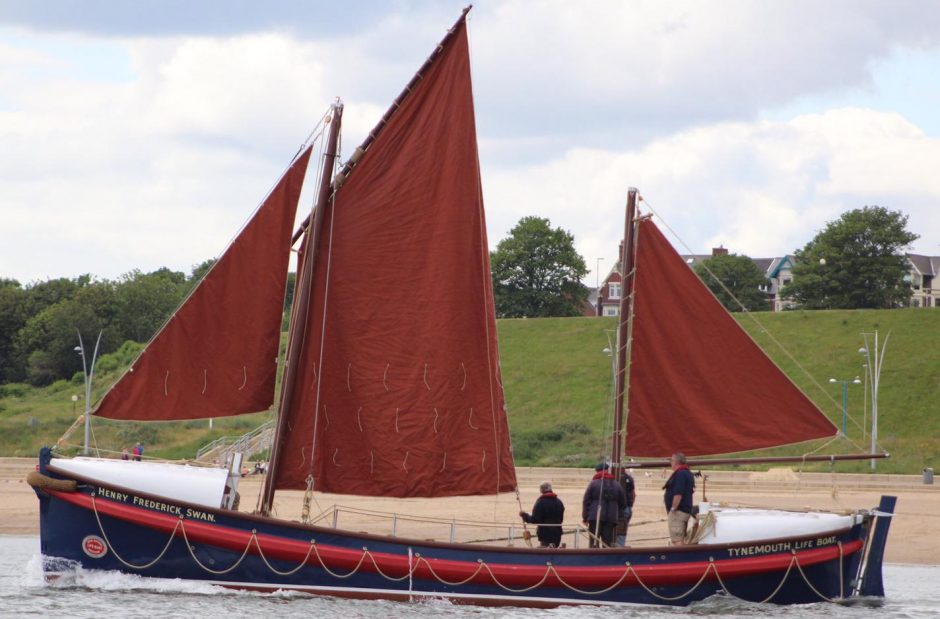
{"x": 629, "y": 490}
{"x": 548, "y": 510}
{"x": 677, "y": 496}
{"x": 602, "y": 505}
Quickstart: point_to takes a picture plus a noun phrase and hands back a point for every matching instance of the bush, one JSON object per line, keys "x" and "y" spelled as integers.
{"x": 14, "y": 390}
{"x": 134, "y": 432}
{"x": 120, "y": 358}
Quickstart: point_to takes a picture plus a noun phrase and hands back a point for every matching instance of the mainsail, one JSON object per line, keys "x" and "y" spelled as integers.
{"x": 698, "y": 383}
{"x": 400, "y": 385}
{"x": 217, "y": 355}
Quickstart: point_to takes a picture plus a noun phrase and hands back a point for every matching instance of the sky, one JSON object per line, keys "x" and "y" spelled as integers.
{"x": 140, "y": 135}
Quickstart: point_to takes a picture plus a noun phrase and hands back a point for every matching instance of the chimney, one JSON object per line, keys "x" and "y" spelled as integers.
{"x": 719, "y": 251}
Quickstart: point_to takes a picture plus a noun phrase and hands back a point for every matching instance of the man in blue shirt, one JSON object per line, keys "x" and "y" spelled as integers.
{"x": 678, "y": 498}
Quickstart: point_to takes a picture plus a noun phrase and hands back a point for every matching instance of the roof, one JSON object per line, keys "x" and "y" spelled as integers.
{"x": 925, "y": 265}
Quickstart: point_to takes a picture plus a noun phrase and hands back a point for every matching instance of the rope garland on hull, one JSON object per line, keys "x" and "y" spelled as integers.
{"x": 426, "y": 566}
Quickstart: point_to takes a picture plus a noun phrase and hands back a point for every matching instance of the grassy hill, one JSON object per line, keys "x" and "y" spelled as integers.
{"x": 558, "y": 384}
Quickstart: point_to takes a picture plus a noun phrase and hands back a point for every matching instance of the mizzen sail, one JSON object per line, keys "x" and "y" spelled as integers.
{"x": 698, "y": 383}
{"x": 217, "y": 355}
{"x": 401, "y": 392}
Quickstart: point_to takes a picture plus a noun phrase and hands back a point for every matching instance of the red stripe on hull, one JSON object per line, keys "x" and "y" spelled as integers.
{"x": 516, "y": 575}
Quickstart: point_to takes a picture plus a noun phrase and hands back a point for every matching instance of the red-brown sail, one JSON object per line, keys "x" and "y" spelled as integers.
{"x": 401, "y": 390}
{"x": 217, "y": 355}
{"x": 698, "y": 383}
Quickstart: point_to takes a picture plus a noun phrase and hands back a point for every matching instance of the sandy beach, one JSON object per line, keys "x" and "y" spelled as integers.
{"x": 914, "y": 537}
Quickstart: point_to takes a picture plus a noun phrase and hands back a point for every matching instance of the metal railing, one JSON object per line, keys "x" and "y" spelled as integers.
{"x": 444, "y": 529}
{"x": 251, "y": 442}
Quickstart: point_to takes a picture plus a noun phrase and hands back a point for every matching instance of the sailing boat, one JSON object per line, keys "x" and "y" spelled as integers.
{"x": 391, "y": 388}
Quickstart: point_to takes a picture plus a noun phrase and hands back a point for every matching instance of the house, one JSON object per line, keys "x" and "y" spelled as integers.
{"x": 779, "y": 274}
{"x": 925, "y": 288}
{"x": 610, "y": 291}
{"x": 924, "y": 291}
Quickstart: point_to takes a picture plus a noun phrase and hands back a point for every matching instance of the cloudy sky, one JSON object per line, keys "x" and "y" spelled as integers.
{"x": 135, "y": 135}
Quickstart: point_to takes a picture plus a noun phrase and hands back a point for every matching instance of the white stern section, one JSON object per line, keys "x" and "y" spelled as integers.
{"x": 727, "y": 525}
{"x": 193, "y": 484}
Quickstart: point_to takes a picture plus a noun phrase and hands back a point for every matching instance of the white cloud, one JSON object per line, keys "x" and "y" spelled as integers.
{"x": 761, "y": 189}
{"x": 158, "y": 162}
{"x": 611, "y": 71}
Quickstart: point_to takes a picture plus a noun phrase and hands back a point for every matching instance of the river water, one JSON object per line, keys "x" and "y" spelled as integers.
{"x": 913, "y": 591}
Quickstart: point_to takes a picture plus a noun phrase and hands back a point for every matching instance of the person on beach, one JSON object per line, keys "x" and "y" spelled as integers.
{"x": 124, "y": 454}
{"x": 677, "y": 496}
{"x": 548, "y": 510}
{"x": 138, "y": 451}
{"x": 602, "y": 505}
{"x": 628, "y": 485}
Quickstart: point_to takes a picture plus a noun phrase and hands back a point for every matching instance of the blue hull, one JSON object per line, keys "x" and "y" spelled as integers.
{"x": 109, "y": 528}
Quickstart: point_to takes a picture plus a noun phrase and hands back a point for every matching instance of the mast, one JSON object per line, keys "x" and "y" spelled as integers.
{"x": 301, "y": 305}
{"x": 623, "y": 332}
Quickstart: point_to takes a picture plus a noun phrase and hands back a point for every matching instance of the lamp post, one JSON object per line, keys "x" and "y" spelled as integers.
{"x": 845, "y": 384}
{"x": 875, "y": 359}
{"x": 89, "y": 371}
{"x": 865, "y": 402}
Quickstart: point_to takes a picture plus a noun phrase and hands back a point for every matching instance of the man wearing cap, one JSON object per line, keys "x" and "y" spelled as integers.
{"x": 548, "y": 510}
{"x": 603, "y": 503}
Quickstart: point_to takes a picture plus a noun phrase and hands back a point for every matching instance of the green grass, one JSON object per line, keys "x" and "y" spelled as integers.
{"x": 558, "y": 382}
{"x": 555, "y": 373}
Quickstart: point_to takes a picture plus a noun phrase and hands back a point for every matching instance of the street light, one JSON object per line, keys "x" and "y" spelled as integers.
{"x": 845, "y": 384}
{"x": 865, "y": 403}
{"x": 89, "y": 372}
{"x": 873, "y": 374}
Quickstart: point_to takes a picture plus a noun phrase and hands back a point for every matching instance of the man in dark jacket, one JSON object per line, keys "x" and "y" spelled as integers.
{"x": 548, "y": 510}
{"x": 677, "y": 496}
{"x": 603, "y": 503}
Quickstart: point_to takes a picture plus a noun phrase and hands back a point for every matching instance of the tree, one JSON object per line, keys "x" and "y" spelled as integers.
{"x": 12, "y": 318}
{"x": 855, "y": 262}
{"x": 46, "y": 343}
{"x": 18, "y": 306}
{"x": 146, "y": 300}
{"x": 537, "y": 272}
{"x": 199, "y": 271}
{"x": 737, "y": 275}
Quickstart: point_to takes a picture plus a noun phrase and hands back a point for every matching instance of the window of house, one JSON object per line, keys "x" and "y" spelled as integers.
{"x": 611, "y": 311}
{"x": 614, "y": 290}
{"x": 784, "y": 282}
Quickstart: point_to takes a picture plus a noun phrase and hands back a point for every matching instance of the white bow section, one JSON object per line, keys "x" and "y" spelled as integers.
{"x": 193, "y": 484}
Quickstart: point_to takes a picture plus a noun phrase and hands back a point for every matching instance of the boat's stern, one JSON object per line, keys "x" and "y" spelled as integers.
{"x": 868, "y": 580}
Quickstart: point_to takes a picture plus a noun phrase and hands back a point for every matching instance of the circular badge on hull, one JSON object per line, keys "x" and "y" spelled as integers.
{"x": 94, "y": 547}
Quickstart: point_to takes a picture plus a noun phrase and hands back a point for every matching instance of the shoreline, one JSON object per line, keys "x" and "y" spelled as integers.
{"x": 914, "y": 538}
